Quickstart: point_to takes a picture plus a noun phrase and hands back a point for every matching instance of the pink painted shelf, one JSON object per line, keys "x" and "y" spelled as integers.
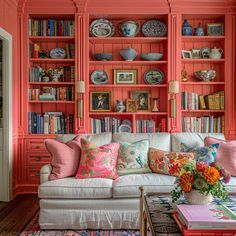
{"x": 51, "y": 83}
{"x": 51, "y": 60}
{"x": 202, "y": 60}
{"x": 202, "y": 38}
{"x": 128, "y": 113}
{"x": 120, "y": 40}
{"x": 41, "y": 101}
{"x": 51, "y": 38}
{"x": 203, "y": 83}
{"x": 200, "y": 111}
{"x": 128, "y": 86}
{"x": 126, "y": 62}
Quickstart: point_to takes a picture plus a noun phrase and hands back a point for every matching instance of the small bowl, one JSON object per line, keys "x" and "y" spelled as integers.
{"x": 152, "y": 56}
{"x": 205, "y": 75}
{"x": 103, "y": 56}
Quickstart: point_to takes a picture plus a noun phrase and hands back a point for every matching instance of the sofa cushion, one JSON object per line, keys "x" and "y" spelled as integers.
{"x": 128, "y": 185}
{"x": 191, "y": 139}
{"x": 231, "y": 186}
{"x": 71, "y": 188}
{"x": 157, "y": 140}
{"x": 98, "y": 139}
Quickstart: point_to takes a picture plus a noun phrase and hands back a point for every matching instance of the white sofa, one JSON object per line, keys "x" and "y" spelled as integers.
{"x": 103, "y": 203}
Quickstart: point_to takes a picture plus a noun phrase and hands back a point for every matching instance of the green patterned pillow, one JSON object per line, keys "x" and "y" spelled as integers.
{"x": 133, "y": 158}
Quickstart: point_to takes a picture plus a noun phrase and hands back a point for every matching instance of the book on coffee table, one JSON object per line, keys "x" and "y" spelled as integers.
{"x": 207, "y": 217}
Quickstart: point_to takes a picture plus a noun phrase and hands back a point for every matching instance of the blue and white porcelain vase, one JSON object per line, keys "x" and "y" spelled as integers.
{"x": 129, "y": 28}
{"x": 120, "y": 106}
{"x": 199, "y": 31}
{"x": 186, "y": 28}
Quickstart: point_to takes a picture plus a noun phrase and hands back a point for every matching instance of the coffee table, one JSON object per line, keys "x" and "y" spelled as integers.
{"x": 156, "y": 214}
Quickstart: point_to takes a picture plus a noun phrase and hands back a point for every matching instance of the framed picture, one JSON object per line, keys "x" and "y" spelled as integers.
{"x": 215, "y": 29}
{"x": 186, "y": 54}
{"x": 196, "y": 53}
{"x": 124, "y": 76}
{"x": 131, "y": 105}
{"x": 143, "y": 100}
{"x": 100, "y": 101}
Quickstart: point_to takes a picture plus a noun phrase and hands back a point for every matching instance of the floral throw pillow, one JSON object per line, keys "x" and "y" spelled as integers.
{"x": 204, "y": 154}
{"x": 98, "y": 162}
{"x": 133, "y": 158}
{"x": 169, "y": 163}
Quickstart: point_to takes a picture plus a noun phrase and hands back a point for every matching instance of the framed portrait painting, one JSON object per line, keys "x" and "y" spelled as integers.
{"x": 143, "y": 100}
{"x": 100, "y": 101}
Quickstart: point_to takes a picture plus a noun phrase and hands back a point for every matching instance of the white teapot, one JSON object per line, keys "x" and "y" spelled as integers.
{"x": 216, "y": 53}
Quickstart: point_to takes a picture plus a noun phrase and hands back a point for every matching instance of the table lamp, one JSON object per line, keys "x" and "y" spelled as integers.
{"x": 173, "y": 89}
{"x": 80, "y": 89}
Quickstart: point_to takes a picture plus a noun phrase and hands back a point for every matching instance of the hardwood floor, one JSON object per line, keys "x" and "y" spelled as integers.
{"x": 15, "y": 215}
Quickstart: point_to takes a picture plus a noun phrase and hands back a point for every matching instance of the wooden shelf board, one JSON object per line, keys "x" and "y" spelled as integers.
{"x": 202, "y": 60}
{"x": 54, "y": 101}
{"x": 120, "y": 40}
{"x": 127, "y": 113}
{"x": 51, "y": 38}
{"x": 51, "y": 60}
{"x": 128, "y": 85}
{"x": 202, "y": 83}
{"x": 126, "y": 62}
{"x": 202, "y": 111}
{"x": 51, "y": 83}
{"x": 202, "y": 38}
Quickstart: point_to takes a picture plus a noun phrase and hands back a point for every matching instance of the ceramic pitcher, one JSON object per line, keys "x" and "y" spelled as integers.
{"x": 129, "y": 28}
{"x": 216, "y": 53}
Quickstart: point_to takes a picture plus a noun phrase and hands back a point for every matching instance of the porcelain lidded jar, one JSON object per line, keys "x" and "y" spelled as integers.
{"x": 120, "y": 106}
{"x": 129, "y": 28}
{"x": 186, "y": 28}
{"x": 199, "y": 31}
{"x": 128, "y": 54}
{"x": 216, "y": 53}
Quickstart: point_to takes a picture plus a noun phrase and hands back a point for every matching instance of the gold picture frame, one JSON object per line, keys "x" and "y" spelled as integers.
{"x": 143, "y": 100}
{"x": 100, "y": 101}
{"x": 125, "y": 76}
{"x": 131, "y": 105}
{"x": 215, "y": 29}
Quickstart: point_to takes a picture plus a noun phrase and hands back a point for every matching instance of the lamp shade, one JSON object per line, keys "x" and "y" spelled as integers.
{"x": 80, "y": 86}
{"x": 174, "y": 87}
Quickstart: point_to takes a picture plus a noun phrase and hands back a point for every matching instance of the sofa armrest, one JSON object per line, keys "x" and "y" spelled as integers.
{"x": 45, "y": 171}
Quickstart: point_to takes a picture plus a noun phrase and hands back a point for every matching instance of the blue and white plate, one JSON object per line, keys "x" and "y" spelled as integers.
{"x": 58, "y": 53}
{"x": 99, "y": 77}
{"x": 154, "y": 28}
{"x": 154, "y": 77}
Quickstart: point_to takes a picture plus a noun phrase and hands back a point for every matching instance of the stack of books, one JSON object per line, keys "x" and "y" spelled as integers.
{"x": 206, "y": 124}
{"x": 205, "y": 220}
{"x": 50, "y": 123}
{"x": 194, "y": 101}
{"x": 149, "y": 126}
{"x": 51, "y": 27}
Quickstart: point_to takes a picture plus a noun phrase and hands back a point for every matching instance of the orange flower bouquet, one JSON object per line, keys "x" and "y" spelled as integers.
{"x": 207, "y": 179}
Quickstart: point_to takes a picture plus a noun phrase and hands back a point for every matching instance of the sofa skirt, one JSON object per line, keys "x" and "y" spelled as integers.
{"x": 89, "y": 214}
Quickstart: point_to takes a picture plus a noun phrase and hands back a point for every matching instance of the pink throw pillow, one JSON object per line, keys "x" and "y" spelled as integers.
{"x": 226, "y": 154}
{"x": 64, "y": 157}
{"x": 98, "y": 162}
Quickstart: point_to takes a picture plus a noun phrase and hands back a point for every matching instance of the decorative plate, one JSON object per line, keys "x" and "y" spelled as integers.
{"x": 58, "y": 53}
{"x": 102, "y": 28}
{"x": 125, "y": 128}
{"x": 154, "y": 28}
{"x": 99, "y": 77}
{"x": 154, "y": 77}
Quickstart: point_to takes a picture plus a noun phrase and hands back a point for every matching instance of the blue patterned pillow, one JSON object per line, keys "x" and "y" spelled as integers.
{"x": 205, "y": 154}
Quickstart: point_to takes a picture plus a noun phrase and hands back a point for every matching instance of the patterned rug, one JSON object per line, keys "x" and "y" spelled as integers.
{"x": 33, "y": 229}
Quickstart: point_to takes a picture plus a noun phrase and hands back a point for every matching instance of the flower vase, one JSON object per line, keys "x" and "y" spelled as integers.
{"x": 196, "y": 198}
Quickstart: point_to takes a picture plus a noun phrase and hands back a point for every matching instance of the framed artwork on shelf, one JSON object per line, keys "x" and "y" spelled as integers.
{"x": 196, "y": 53}
{"x": 143, "y": 100}
{"x": 186, "y": 54}
{"x": 131, "y": 105}
{"x": 215, "y": 29}
{"x": 100, "y": 101}
{"x": 125, "y": 76}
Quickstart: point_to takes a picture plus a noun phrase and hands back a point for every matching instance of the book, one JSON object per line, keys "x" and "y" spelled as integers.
{"x": 207, "y": 216}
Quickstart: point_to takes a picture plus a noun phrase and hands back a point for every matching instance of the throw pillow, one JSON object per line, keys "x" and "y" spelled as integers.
{"x": 226, "y": 155}
{"x": 98, "y": 162}
{"x": 205, "y": 154}
{"x": 133, "y": 158}
{"x": 64, "y": 157}
{"x": 169, "y": 163}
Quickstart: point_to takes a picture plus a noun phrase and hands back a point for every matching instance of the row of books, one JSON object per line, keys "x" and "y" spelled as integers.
{"x": 67, "y": 74}
{"x": 36, "y": 52}
{"x": 51, "y": 27}
{"x": 194, "y": 101}
{"x": 106, "y": 124}
{"x": 50, "y": 123}
{"x": 149, "y": 126}
{"x": 206, "y": 124}
{"x": 50, "y": 93}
